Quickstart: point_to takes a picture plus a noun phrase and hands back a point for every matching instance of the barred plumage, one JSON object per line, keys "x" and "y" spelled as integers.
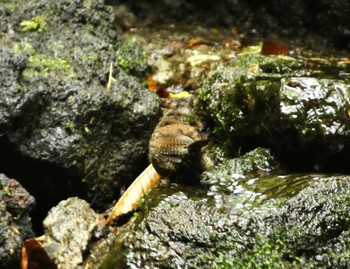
{"x": 168, "y": 145}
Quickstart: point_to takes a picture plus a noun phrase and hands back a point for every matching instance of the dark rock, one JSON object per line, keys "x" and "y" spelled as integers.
{"x": 11, "y": 68}
{"x": 95, "y": 133}
{"x": 56, "y": 115}
{"x": 300, "y": 112}
{"x": 218, "y": 189}
{"x": 15, "y": 222}
{"x": 281, "y": 221}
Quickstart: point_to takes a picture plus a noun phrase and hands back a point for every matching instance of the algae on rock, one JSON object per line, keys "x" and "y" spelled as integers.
{"x": 279, "y": 103}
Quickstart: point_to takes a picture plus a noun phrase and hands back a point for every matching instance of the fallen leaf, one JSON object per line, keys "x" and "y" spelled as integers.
{"x": 273, "y": 47}
{"x": 34, "y": 255}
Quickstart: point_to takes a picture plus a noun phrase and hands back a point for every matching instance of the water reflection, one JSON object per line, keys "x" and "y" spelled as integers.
{"x": 242, "y": 192}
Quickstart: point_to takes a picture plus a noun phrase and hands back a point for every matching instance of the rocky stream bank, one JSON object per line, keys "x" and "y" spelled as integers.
{"x": 82, "y": 87}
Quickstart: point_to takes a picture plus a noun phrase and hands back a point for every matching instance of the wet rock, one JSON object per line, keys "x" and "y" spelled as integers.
{"x": 281, "y": 221}
{"x": 218, "y": 190}
{"x": 132, "y": 59}
{"x": 68, "y": 229}
{"x": 277, "y": 101}
{"x": 171, "y": 241}
{"x": 10, "y": 71}
{"x": 226, "y": 179}
{"x": 57, "y": 113}
{"x": 15, "y": 222}
{"x": 94, "y": 133}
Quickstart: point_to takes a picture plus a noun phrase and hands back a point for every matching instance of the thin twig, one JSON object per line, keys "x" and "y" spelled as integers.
{"x": 110, "y": 77}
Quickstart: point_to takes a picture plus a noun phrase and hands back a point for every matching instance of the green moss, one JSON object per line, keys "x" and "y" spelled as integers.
{"x": 243, "y": 108}
{"x": 265, "y": 254}
{"x": 252, "y": 66}
{"x": 92, "y": 60}
{"x": 6, "y": 191}
{"x": 9, "y": 6}
{"x": 131, "y": 58}
{"x": 43, "y": 65}
{"x": 36, "y": 23}
{"x": 341, "y": 208}
{"x": 23, "y": 48}
{"x": 70, "y": 126}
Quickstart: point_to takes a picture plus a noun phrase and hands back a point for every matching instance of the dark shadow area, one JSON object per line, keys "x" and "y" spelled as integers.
{"x": 295, "y": 21}
{"x": 49, "y": 184}
{"x": 328, "y": 154}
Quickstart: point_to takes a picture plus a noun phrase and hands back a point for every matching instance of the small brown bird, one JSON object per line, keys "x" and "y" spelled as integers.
{"x": 169, "y": 144}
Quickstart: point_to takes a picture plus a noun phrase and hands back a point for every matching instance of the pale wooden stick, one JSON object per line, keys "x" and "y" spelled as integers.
{"x": 110, "y": 77}
{"x": 132, "y": 196}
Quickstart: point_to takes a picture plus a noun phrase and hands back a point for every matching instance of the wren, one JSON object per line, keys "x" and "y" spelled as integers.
{"x": 170, "y": 144}
{"x": 171, "y": 141}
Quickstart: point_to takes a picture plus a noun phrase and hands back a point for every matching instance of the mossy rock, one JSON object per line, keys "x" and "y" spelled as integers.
{"x": 260, "y": 222}
{"x": 281, "y": 103}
